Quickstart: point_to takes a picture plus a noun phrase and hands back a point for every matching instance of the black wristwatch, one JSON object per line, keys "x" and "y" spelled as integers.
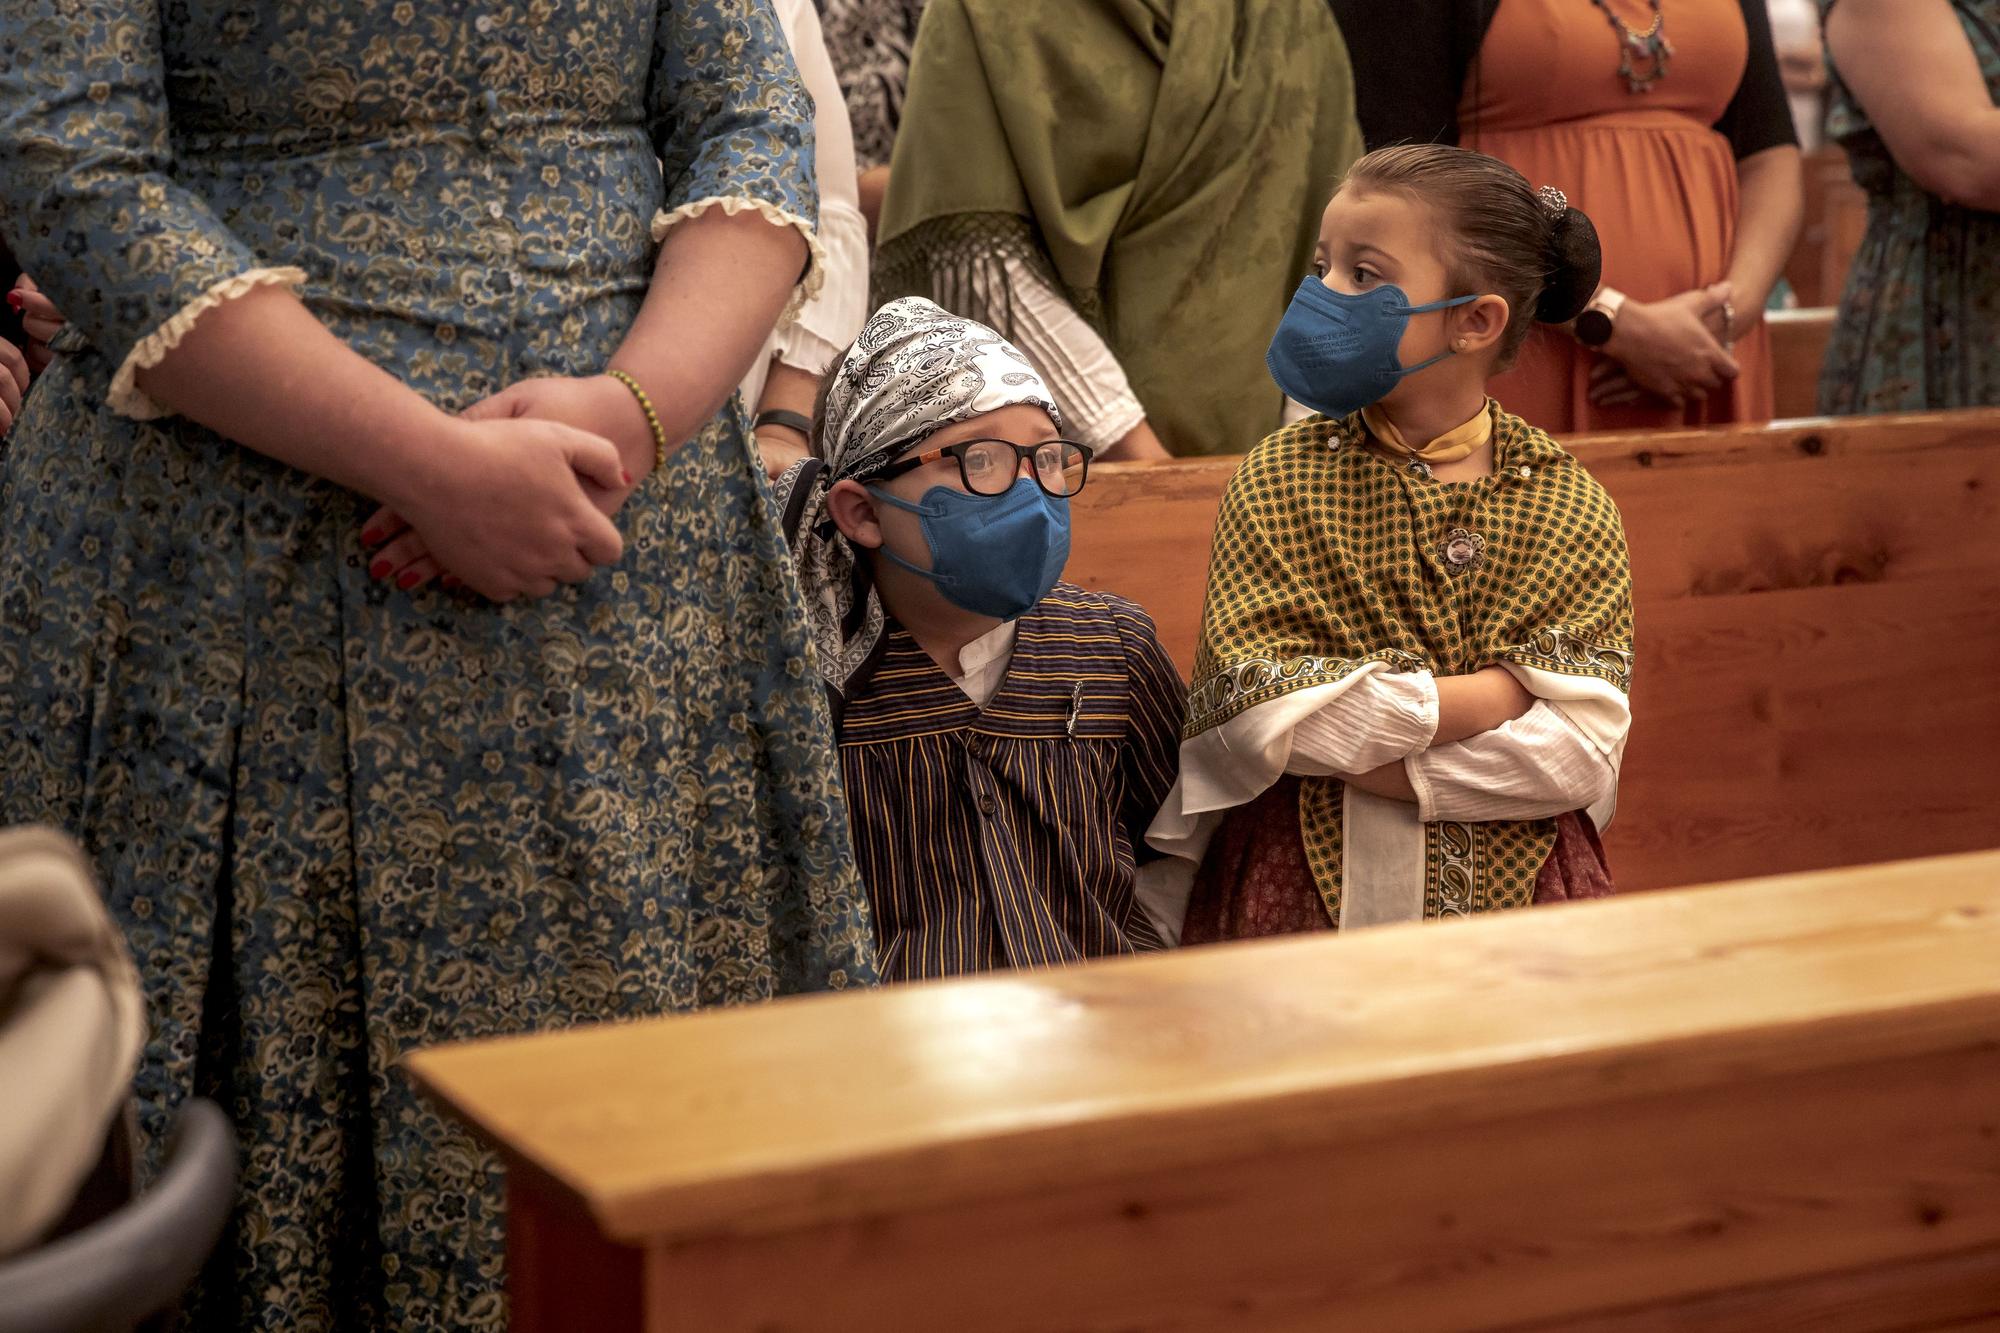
{"x": 778, "y": 416}
{"x": 1593, "y": 327}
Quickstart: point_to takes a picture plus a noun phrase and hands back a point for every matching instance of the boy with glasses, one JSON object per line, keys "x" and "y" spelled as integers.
{"x": 1005, "y": 738}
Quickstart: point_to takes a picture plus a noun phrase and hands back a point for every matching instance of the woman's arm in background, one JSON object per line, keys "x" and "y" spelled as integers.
{"x": 1909, "y": 64}
{"x": 1772, "y": 203}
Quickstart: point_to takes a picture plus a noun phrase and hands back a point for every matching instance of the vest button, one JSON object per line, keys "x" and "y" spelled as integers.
{"x": 988, "y": 806}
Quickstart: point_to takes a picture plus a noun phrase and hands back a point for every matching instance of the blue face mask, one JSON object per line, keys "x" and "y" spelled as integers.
{"x": 1337, "y": 353}
{"x": 991, "y": 555}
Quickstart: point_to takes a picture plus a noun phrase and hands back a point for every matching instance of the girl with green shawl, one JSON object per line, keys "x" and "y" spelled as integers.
{"x": 1410, "y": 698}
{"x": 1127, "y": 193}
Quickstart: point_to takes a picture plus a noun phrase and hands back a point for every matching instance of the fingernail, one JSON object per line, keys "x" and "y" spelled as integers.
{"x": 371, "y": 536}
{"x": 14, "y": 299}
{"x": 409, "y": 580}
{"x": 627, "y": 476}
{"x": 379, "y": 568}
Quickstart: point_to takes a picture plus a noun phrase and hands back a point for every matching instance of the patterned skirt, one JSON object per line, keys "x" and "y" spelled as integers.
{"x": 340, "y": 821}
{"x": 1921, "y": 313}
{"x": 1256, "y": 879}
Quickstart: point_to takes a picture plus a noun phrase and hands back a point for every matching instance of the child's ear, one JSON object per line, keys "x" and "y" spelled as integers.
{"x": 852, "y": 509}
{"x": 1480, "y": 324}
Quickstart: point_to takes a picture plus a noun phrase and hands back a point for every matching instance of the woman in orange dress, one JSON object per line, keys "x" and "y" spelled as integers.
{"x": 1680, "y": 147}
{"x": 1666, "y": 122}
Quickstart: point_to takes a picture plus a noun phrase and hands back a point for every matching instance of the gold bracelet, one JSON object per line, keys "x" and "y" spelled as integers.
{"x": 652, "y": 417}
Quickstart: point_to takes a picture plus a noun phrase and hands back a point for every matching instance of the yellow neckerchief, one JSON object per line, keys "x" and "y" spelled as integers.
{"x": 1453, "y": 446}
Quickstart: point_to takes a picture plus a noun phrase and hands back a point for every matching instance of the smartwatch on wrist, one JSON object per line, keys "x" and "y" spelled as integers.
{"x": 1593, "y": 327}
{"x": 778, "y": 416}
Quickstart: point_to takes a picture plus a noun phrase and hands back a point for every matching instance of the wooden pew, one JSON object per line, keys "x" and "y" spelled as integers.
{"x": 1818, "y": 612}
{"x": 1771, "y": 1107}
{"x": 1798, "y": 349}
{"x": 1836, "y": 216}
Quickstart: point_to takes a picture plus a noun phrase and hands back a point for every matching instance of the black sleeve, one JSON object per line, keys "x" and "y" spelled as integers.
{"x": 1409, "y": 59}
{"x": 1401, "y": 57}
{"x": 1758, "y": 117}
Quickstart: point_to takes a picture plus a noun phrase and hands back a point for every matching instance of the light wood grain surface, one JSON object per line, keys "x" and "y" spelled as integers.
{"x": 1836, "y": 216}
{"x": 1843, "y": 1199}
{"x": 1799, "y": 340}
{"x": 955, "y": 1098}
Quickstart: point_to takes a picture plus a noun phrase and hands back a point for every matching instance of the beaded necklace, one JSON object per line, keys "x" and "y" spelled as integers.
{"x": 1650, "y": 47}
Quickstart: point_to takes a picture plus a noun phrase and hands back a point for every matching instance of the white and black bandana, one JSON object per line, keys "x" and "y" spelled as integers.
{"x": 914, "y": 370}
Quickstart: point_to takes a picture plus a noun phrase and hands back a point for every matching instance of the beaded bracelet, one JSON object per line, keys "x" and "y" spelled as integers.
{"x": 652, "y": 417}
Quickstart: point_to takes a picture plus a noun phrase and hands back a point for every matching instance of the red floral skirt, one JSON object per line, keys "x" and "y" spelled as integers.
{"x": 1256, "y": 880}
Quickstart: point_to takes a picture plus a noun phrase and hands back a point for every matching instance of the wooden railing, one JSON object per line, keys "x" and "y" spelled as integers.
{"x": 1835, "y": 217}
{"x": 1772, "y": 1106}
{"x": 1799, "y": 340}
{"x": 1818, "y": 608}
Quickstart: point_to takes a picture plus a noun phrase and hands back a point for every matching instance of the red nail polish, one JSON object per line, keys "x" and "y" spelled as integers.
{"x": 379, "y": 568}
{"x": 409, "y": 580}
{"x": 14, "y": 299}
{"x": 627, "y": 476}
{"x": 370, "y": 537}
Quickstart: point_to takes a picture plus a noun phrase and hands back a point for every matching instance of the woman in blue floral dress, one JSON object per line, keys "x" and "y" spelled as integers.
{"x": 341, "y": 817}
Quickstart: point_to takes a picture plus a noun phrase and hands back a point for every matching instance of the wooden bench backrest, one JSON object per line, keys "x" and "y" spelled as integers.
{"x": 1818, "y": 610}
{"x": 1836, "y": 215}
{"x": 1772, "y": 1106}
{"x": 1798, "y": 349}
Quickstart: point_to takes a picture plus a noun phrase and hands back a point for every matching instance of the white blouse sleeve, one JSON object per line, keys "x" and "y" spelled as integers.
{"x": 1235, "y": 762}
{"x": 1099, "y": 407}
{"x": 833, "y": 317}
{"x": 1538, "y": 765}
{"x": 1386, "y": 716}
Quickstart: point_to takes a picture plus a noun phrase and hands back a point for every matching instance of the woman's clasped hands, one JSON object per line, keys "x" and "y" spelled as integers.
{"x": 513, "y": 498}
{"x": 519, "y": 499}
{"x": 1676, "y": 350}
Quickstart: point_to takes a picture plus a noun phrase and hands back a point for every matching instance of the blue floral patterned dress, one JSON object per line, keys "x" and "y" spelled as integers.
{"x": 341, "y": 821}
{"x": 1921, "y": 314}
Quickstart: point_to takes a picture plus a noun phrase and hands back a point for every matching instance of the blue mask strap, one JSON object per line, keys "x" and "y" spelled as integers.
{"x": 1436, "y": 305}
{"x": 897, "y": 560}
{"x": 1422, "y": 309}
{"x": 1426, "y": 365}
{"x": 899, "y": 503}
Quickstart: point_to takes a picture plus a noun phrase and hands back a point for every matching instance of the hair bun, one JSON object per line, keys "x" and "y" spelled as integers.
{"x": 1576, "y": 262}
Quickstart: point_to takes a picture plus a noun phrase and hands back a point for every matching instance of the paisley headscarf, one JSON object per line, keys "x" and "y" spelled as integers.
{"x": 914, "y": 370}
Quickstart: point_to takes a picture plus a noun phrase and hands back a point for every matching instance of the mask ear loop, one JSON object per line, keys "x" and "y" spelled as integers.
{"x": 941, "y": 580}
{"x": 1429, "y": 306}
{"x": 1426, "y": 309}
{"x": 922, "y": 511}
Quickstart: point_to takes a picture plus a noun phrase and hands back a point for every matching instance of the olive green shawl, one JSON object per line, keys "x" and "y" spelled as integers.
{"x": 1164, "y": 161}
{"x": 1328, "y": 557}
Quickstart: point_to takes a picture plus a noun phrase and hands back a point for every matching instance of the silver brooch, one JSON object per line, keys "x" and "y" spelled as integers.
{"x": 1463, "y": 549}
{"x": 1553, "y": 201}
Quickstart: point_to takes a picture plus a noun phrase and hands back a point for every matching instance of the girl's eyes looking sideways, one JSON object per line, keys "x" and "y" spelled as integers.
{"x": 1360, "y": 275}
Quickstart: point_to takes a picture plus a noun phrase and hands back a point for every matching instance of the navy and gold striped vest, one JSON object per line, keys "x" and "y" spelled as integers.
{"x": 1006, "y": 836}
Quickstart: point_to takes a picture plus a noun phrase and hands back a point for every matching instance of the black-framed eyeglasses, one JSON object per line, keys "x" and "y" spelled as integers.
{"x": 989, "y": 467}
